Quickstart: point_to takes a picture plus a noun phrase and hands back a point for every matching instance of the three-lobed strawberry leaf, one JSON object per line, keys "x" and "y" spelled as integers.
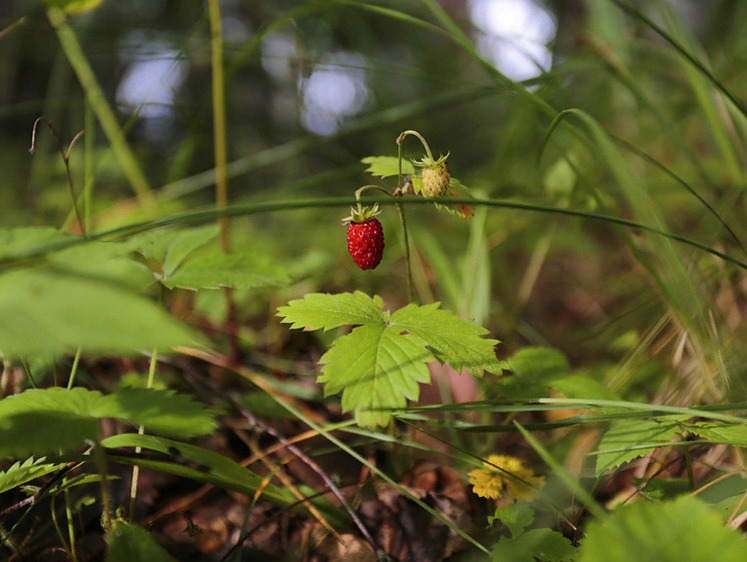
{"x": 379, "y": 364}
{"x": 317, "y": 311}
{"x": 377, "y": 369}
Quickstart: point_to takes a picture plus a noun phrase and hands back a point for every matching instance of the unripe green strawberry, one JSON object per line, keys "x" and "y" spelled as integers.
{"x": 435, "y": 177}
{"x": 365, "y": 238}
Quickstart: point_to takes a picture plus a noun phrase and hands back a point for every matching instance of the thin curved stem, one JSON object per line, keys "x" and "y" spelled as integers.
{"x": 402, "y": 136}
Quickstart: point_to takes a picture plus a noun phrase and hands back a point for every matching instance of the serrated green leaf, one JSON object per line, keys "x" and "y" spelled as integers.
{"x": 19, "y": 473}
{"x": 379, "y": 364}
{"x": 159, "y": 411}
{"x": 47, "y": 311}
{"x": 375, "y": 367}
{"x": 127, "y": 543}
{"x": 227, "y": 270}
{"x": 719, "y": 432}
{"x": 37, "y": 422}
{"x": 515, "y": 517}
{"x": 387, "y": 166}
{"x": 633, "y": 433}
{"x": 545, "y": 545}
{"x": 452, "y": 341}
{"x": 685, "y": 529}
{"x": 319, "y": 311}
{"x": 40, "y": 421}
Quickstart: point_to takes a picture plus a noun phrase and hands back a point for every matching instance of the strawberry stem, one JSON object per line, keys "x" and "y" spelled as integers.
{"x": 402, "y": 136}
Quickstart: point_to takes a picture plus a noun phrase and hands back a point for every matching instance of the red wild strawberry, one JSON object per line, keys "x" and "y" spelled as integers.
{"x": 365, "y": 237}
{"x": 434, "y": 177}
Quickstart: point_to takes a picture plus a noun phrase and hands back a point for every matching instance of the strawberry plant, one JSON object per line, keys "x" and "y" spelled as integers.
{"x": 199, "y": 362}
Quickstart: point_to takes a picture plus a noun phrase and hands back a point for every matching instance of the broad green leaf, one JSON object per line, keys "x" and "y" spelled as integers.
{"x": 40, "y": 421}
{"x": 685, "y": 529}
{"x": 170, "y": 247}
{"x": 37, "y": 422}
{"x": 515, "y": 517}
{"x": 533, "y": 370}
{"x": 108, "y": 261}
{"x": 16, "y": 242}
{"x": 128, "y": 543}
{"x": 719, "y": 432}
{"x": 160, "y": 411}
{"x": 452, "y": 341}
{"x": 202, "y": 465}
{"x": 545, "y": 545}
{"x": 20, "y": 473}
{"x": 227, "y": 270}
{"x": 184, "y": 243}
{"x": 380, "y": 363}
{"x": 387, "y": 166}
{"x": 46, "y": 311}
{"x": 319, "y": 311}
{"x": 375, "y": 367}
{"x": 626, "y": 440}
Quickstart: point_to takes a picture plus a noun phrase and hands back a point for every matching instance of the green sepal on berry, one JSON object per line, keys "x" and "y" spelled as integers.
{"x": 435, "y": 178}
{"x": 365, "y": 236}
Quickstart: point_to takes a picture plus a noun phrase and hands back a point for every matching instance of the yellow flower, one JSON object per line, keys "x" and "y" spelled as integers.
{"x": 510, "y": 475}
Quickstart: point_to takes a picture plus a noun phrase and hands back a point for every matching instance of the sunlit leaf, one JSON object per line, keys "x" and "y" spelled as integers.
{"x": 387, "y": 166}
{"x": 318, "y": 311}
{"x": 375, "y": 367}
{"x": 46, "y": 311}
{"x": 626, "y": 440}
{"x": 159, "y": 411}
{"x": 40, "y": 421}
{"x": 684, "y": 529}
{"x": 227, "y": 270}
{"x": 20, "y": 473}
{"x": 379, "y": 364}
{"x": 719, "y": 432}
{"x": 453, "y": 341}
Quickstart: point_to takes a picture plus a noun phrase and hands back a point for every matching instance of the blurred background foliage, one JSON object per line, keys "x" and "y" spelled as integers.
{"x": 313, "y": 87}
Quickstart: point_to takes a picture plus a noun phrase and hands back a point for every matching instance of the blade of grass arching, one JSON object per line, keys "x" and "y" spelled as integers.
{"x": 296, "y": 411}
{"x": 713, "y": 108}
{"x": 104, "y": 113}
{"x": 570, "y": 482}
{"x": 638, "y": 15}
{"x": 672, "y": 276}
{"x": 25, "y": 256}
{"x": 623, "y": 409}
{"x": 651, "y": 160}
{"x": 654, "y": 106}
{"x": 374, "y": 469}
